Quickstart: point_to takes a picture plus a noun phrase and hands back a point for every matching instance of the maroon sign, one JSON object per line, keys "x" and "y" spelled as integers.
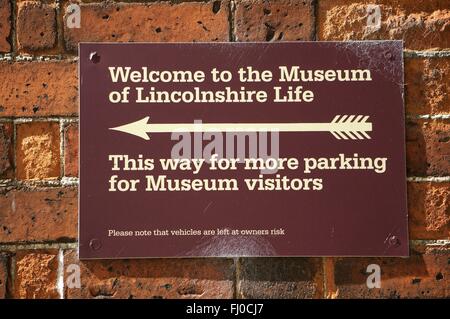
{"x": 242, "y": 149}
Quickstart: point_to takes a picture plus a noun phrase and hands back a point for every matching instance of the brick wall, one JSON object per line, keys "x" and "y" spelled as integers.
{"x": 38, "y": 148}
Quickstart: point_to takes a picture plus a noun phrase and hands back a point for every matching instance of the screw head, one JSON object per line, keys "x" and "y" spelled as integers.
{"x": 94, "y": 57}
{"x": 95, "y": 244}
{"x": 394, "y": 241}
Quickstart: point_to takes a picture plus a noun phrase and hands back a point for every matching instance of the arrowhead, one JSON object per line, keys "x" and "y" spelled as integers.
{"x": 138, "y": 128}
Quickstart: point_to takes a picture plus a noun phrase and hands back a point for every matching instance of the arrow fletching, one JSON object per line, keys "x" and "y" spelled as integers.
{"x": 354, "y": 127}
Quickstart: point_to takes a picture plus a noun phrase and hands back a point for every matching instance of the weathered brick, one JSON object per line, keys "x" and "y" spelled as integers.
{"x": 428, "y": 147}
{"x": 274, "y": 20}
{"x": 36, "y": 274}
{"x": 3, "y": 274}
{"x": 71, "y": 150}
{"x": 37, "y": 215}
{"x": 38, "y": 150}
{"x": 6, "y": 150}
{"x": 39, "y": 88}
{"x": 156, "y": 22}
{"x": 150, "y": 278}
{"x": 427, "y": 85}
{"x": 422, "y": 24}
{"x": 5, "y": 25}
{"x": 429, "y": 210}
{"x": 280, "y": 278}
{"x": 36, "y": 25}
{"x": 425, "y": 274}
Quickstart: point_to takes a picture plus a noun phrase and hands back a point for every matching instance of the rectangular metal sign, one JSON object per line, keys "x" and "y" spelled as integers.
{"x": 242, "y": 149}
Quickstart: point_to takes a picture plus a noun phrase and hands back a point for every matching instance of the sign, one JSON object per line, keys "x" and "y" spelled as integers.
{"x": 242, "y": 149}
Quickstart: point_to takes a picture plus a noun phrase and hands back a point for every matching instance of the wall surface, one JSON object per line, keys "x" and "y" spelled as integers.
{"x": 39, "y": 133}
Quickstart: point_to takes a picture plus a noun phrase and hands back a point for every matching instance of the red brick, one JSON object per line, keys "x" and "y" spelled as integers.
{"x": 39, "y": 88}
{"x": 36, "y": 25}
{"x": 150, "y": 278}
{"x": 6, "y": 150}
{"x": 427, "y": 83}
{"x": 425, "y": 274}
{"x": 274, "y": 20}
{"x": 429, "y": 210}
{"x": 38, "y": 150}
{"x": 155, "y": 22}
{"x": 422, "y": 24}
{"x": 36, "y": 274}
{"x": 428, "y": 147}
{"x": 3, "y": 274}
{"x": 5, "y": 25}
{"x": 280, "y": 278}
{"x": 71, "y": 150}
{"x": 38, "y": 215}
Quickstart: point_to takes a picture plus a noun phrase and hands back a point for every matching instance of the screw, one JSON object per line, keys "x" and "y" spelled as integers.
{"x": 94, "y": 57}
{"x": 95, "y": 244}
{"x": 394, "y": 241}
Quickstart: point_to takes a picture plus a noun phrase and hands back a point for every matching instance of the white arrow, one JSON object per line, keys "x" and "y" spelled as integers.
{"x": 342, "y": 127}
